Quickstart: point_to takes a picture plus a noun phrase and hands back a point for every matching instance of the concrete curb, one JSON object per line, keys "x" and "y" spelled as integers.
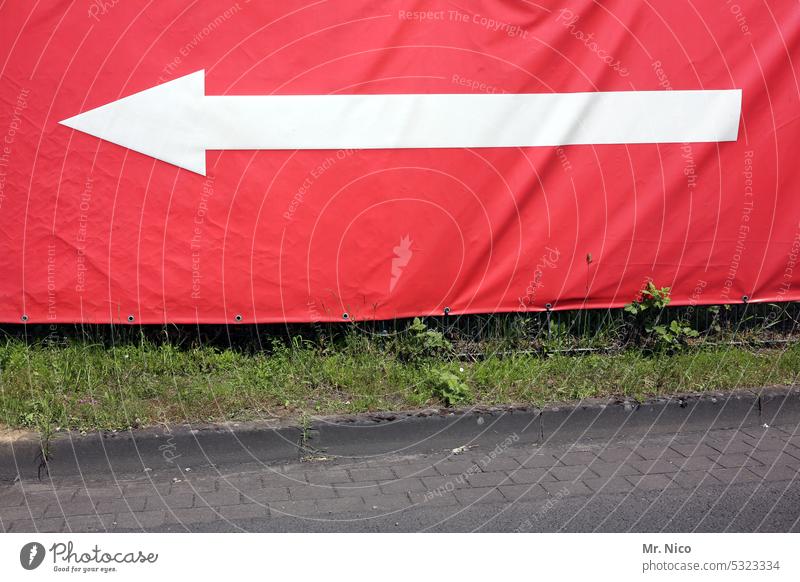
{"x": 365, "y": 436}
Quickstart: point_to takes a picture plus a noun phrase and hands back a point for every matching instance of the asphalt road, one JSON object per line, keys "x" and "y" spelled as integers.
{"x": 696, "y": 480}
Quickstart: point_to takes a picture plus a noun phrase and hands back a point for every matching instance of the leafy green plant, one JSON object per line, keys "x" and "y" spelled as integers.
{"x": 673, "y": 335}
{"x": 650, "y": 328}
{"x": 448, "y": 387}
{"x": 651, "y": 298}
{"x": 418, "y": 342}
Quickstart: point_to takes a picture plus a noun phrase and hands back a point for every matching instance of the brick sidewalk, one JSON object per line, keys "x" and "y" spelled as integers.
{"x": 507, "y": 477}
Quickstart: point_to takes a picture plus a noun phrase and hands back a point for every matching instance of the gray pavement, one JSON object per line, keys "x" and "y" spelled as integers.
{"x": 695, "y": 480}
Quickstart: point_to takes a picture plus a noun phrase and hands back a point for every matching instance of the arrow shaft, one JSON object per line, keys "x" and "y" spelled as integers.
{"x": 466, "y": 120}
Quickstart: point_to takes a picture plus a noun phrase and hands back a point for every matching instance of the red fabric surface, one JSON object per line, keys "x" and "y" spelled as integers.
{"x": 92, "y": 232}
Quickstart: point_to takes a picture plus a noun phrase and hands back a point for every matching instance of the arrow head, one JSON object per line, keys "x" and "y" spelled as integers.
{"x": 161, "y": 122}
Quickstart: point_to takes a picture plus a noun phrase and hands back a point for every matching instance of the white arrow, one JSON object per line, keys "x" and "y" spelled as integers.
{"x": 177, "y": 122}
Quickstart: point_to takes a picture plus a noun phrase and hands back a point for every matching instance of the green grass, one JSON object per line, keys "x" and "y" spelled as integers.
{"x": 84, "y": 386}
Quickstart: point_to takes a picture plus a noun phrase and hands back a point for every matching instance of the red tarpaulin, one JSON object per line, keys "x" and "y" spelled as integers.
{"x": 93, "y": 232}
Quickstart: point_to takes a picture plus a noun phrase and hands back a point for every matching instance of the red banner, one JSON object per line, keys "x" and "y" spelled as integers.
{"x": 370, "y": 208}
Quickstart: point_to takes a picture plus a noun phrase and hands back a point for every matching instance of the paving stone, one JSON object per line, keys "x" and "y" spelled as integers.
{"x": 43, "y": 499}
{"x": 312, "y": 492}
{"x": 695, "y": 463}
{"x": 91, "y": 523}
{"x": 537, "y": 461}
{"x": 22, "y": 512}
{"x": 99, "y": 493}
{"x": 694, "y": 450}
{"x": 208, "y": 485}
{"x": 523, "y": 493}
{"x": 147, "y": 489}
{"x": 730, "y": 446}
{"x": 656, "y": 467}
{"x": 74, "y": 508}
{"x": 565, "y": 488}
{"x": 730, "y": 476}
{"x": 427, "y": 497}
{"x": 388, "y": 502}
{"x": 737, "y": 460}
{"x": 240, "y": 481}
{"x": 691, "y": 479}
{"x": 273, "y": 480}
{"x": 608, "y": 485}
{"x": 756, "y": 431}
{"x": 218, "y": 498}
{"x": 651, "y": 453}
{"x": 770, "y": 443}
{"x": 403, "y": 485}
{"x": 449, "y": 468}
{"x": 491, "y": 479}
{"x": 302, "y": 508}
{"x": 650, "y": 482}
{"x": 372, "y": 474}
{"x": 530, "y": 475}
{"x": 266, "y": 495}
{"x": 445, "y": 483}
{"x": 479, "y": 495}
{"x": 571, "y": 473}
{"x": 174, "y": 501}
{"x": 184, "y": 515}
{"x": 363, "y": 489}
{"x": 612, "y": 454}
{"x": 51, "y": 525}
{"x": 341, "y": 505}
{"x": 776, "y": 472}
{"x": 21, "y": 525}
{"x": 11, "y": 498}
{"x": 243, "y": 511}
{"x": 617, "y": 470}
{"x": 504, "y": 463}
{"x": 577, "y": 458}
{"x": 125, "y": 504}
{"x": 416, "y": 471}
{"x": 144, "y": 519}
{"x": 328, "y": 477}
{"x": 776, "y": 458}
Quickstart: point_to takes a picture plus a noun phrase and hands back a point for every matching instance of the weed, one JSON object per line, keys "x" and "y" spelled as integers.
{"x": 447, "y": 387}
{"x": 418, "y": 342}
{"x": 650, "y": 329}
